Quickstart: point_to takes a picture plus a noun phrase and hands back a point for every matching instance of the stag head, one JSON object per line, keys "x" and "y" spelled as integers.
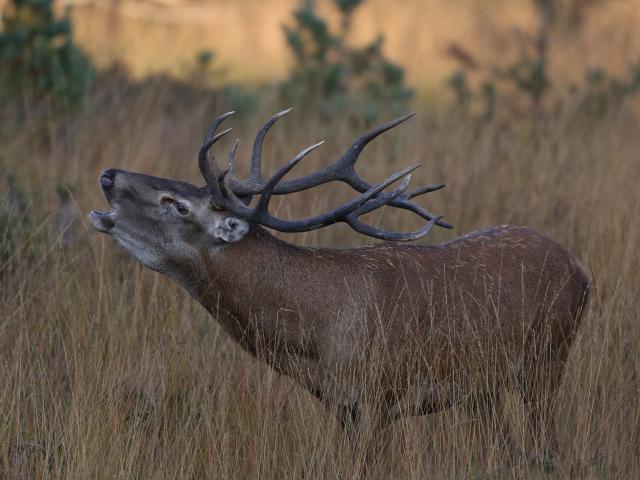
{"x": 163, "y": 221}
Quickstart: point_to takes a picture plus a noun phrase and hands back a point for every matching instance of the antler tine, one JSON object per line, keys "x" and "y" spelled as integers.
{"x": 403, "y": 202}
{"x": 418, "y": 210}
{"x": 265, "y": 197}
{"x": 379, "y": 187}
{"x": 370, "y": 231}
{"x": 255, "y": 173}
{"x": 340, "y": 214}
{"x": 384, "y": 198}
{"x": 215, "y": 124}
{"x": 351, "y": 156}
{"x": 426, "y": 189}
{"x": 231, "y": 160}
{"x": 210, "y": 170}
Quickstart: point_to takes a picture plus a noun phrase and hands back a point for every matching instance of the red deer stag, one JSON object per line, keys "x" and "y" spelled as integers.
{"x": 497, "y": 307}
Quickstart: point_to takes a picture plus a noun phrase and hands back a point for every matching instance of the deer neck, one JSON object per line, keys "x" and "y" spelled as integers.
{"x": 244, "y": 284}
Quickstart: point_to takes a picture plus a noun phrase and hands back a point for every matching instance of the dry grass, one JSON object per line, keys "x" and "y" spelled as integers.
{"x": 247, "y": 36}
{"x": 111, "y": 371}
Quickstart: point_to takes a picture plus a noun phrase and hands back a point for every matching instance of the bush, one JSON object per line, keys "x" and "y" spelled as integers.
{"x": 602, "y": 92}
{"x": 38, "y": 56}
{"x": 525, "y": 81}
{"x": 331, "y": 76}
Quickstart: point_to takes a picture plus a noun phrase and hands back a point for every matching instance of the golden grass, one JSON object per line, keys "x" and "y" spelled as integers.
{"x": 247, "y": 38}
{"x": 111, "y": 371}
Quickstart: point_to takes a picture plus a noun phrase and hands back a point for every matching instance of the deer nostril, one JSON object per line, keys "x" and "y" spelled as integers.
{"x": 106, "y": 179}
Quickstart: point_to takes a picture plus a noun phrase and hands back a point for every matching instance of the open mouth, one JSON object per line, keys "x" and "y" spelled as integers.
{"x": 102, "y": 221}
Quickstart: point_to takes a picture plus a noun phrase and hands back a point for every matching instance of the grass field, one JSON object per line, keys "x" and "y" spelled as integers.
{"x": 108, "y": 370}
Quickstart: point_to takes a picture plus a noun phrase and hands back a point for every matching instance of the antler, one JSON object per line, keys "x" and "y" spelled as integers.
{"x": 233, "y": 194}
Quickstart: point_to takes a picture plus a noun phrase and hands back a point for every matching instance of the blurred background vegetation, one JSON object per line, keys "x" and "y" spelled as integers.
{"x": 334, "y": 55}
{"x": 527, "y": 109}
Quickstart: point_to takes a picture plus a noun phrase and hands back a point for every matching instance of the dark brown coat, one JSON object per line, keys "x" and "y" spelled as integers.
{"x": 439, "y": 322}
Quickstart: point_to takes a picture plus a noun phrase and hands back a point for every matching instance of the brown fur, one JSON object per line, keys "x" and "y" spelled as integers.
{"x": 494, "y": 305}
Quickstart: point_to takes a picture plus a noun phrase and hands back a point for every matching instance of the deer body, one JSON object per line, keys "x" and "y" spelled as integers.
{"x": 470, "y": 307}
{"x": 427, "y": 326}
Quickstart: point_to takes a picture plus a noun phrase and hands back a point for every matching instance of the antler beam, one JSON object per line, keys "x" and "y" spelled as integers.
{"x": 233, "y": 194}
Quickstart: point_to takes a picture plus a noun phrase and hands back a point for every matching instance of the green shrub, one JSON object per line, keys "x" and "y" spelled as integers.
{"x": 525, "y": 81}
{"x": 331, "y": 76}
{"x": 38, "y": 56}
{"x": 603, "y": 92}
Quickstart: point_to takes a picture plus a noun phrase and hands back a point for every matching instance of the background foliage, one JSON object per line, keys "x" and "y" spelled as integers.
{"x": 329, "y": 76}
{"x": 38, "y": 56}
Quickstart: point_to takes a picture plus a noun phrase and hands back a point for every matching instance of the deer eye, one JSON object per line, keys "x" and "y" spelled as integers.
{"x": 166, "y": 200}
{"x": 182, "y": 210}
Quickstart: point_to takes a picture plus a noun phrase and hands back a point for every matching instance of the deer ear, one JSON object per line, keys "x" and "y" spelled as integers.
{"x": 230, "y": 229}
